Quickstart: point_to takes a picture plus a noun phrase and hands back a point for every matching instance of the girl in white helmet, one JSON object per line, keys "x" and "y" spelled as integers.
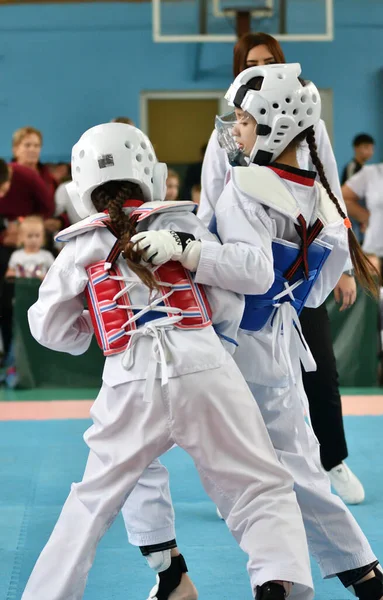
{"x": 255, "y": 49}
{"x": 167, "y": 377}
{"x": 285, "y": 240}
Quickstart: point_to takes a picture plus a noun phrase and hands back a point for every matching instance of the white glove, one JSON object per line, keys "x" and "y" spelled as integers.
{"x": 191, "y": 255}
{"x": 158, "y": 247}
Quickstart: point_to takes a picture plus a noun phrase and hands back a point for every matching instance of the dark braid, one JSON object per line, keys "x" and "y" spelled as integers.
{"x": 362, "y": 266}
{"x": 310, "y": 138}
{"x": 111, "y": 196}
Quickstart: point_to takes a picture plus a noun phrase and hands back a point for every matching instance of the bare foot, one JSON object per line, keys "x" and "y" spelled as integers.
{"x": 185, "y": 591}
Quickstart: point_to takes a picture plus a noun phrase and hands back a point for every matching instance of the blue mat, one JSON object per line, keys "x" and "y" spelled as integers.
{"x": 39, "y": 460}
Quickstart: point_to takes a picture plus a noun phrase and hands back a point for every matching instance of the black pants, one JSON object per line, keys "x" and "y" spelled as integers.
{"x": 322, "y": 388}
{"x": 6, "y": 297}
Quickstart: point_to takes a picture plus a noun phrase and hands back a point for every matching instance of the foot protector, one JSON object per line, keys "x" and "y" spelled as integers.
{"x": 169, "y": 580}
{"x": 271, "y": 591}
{"x": 372, "y": 589}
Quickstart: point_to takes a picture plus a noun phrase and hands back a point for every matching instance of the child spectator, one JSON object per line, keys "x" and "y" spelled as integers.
{"x": 172, "y": 185}
{"x": 30, "y": 260}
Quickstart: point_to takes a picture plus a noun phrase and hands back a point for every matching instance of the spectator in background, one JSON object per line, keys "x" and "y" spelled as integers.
{"x": 196, "y": 193}
{"x": 125, "y": 120}
{"x": 60, "y": 172}
{"x": 172, "y": 185}
{"x": 22, "y": 193}
{"x": 364, "y": 146}
{"x": 367, "y": 184}
{"x": 193, "y": 176}
{"x": 26, "y": 144}
{"x": 11, "y": 233}
{"x": 31, "y": 260}
{"x": 363, "y": 150}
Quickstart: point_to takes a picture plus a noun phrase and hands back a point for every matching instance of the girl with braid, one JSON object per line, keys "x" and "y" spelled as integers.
{"x": 167, "y": 379}
{"x": 321, "y": 386}
{"x": 284, "y": 241}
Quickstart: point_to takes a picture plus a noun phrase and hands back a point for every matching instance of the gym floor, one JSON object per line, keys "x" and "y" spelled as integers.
{"x": 42, "y": 452}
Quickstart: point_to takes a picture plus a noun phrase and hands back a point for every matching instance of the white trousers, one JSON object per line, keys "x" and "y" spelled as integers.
{"x": 148, "y": 512}
{"x": 335, "y": 539}
{"x": 212, "y": 415}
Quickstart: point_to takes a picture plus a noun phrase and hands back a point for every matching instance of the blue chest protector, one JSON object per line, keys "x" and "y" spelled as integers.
{"x": 259, "y": 308}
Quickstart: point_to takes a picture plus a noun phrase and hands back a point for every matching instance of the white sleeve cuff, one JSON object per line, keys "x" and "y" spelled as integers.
{"x": 205, "y": 273}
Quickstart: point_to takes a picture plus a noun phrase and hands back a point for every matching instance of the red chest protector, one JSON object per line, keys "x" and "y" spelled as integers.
{"x": 110, "y": 314}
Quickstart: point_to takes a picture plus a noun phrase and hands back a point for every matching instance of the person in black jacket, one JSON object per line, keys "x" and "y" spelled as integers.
{"x": 364, "y": 146}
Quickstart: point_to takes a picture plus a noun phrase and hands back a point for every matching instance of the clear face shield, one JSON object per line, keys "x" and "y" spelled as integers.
{"x": 224, "y": 125}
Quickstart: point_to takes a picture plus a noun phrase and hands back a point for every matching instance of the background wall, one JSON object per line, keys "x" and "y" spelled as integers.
{"x": 64, "y": 68}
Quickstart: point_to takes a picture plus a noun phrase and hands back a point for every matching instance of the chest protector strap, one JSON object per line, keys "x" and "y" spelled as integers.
{"x": 307, "y": 236}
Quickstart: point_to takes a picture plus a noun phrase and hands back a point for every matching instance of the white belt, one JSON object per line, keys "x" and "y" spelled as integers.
{"x": 287, "y": 331}
{"x": 286, "y": 327}
{"x": 155, "y": 329}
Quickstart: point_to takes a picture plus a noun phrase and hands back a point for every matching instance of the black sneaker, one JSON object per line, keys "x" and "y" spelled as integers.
{"x": 271, "y": 591}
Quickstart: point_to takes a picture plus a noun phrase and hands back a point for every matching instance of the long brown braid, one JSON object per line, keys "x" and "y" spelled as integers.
{"x": 362, "y": 266}
{"x": 111, "y": 196}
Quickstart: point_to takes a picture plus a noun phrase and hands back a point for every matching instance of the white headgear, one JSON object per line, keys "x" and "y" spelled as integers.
{"x": 283, "y": 107}
{"x": 113, "y": 152}
{"x": 75, "y": 199}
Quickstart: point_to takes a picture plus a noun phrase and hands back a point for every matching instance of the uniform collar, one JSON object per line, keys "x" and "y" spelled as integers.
{"x": 301, "y": 176}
